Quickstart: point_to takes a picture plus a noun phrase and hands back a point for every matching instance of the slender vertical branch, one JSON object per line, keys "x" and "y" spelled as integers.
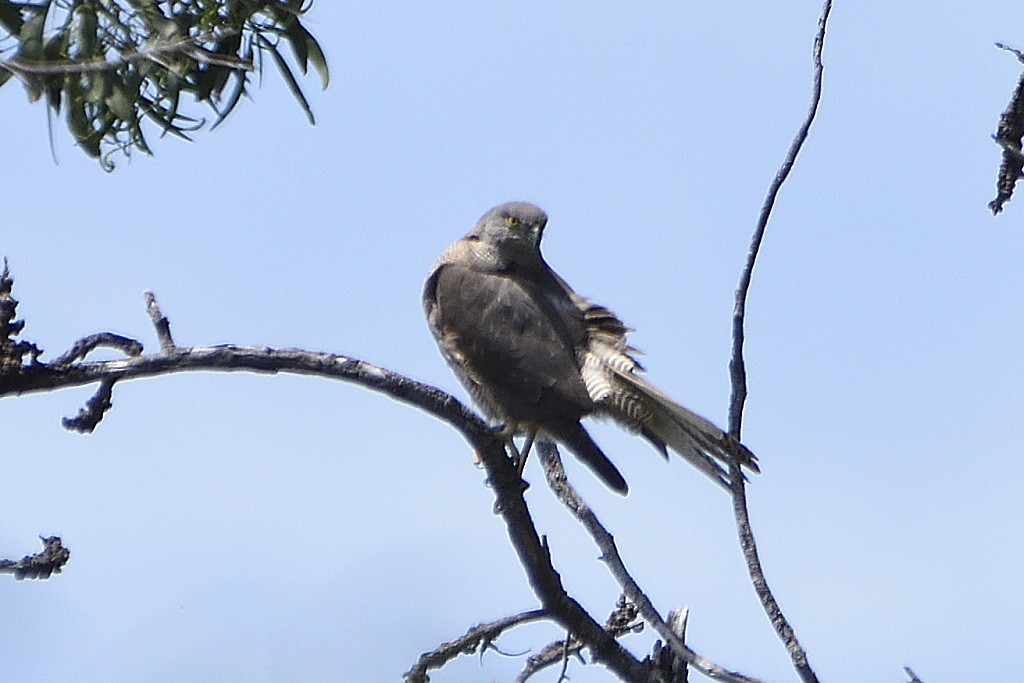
{"x": 739, "y": 374}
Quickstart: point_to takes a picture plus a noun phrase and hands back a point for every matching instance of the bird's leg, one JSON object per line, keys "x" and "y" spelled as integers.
{"x": 525, "y": 452}
{"x": 508, "y": 434}
{"x": 518, "y": 455}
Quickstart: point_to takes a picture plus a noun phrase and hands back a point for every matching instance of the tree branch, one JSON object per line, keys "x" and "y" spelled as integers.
{"x": 569, "y": 497}
{"x": 481, "y": 636}
{"x": 739, "y": 375}
{"x": 1009, "y": 134}
{"x": 41, "y": 565}
{"x": 911, "y": 675}
{"x": 675, "y": 669}
{"x": 488, "y": 442}
{"x": 622, "y": 621}
{"x": 157, "y": 50}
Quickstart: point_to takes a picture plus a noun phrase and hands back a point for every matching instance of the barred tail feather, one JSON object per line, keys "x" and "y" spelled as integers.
{"x": 666, "y": 423}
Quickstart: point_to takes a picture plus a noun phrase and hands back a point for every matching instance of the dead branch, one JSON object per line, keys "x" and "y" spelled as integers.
{"x": 41, "y": 565}
{"x": 568, "y": 496}
{"x": 1008, "y": 135}
{"x": 487, "y": 442}
{"x": 672, "y": 667}
{"x": 911, "y": 675}
{"x": 739, "y": 375}
{"x": 481, "y": 636}
{"x": 622, "y": 621}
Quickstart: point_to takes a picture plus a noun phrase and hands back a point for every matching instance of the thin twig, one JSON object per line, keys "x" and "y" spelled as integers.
{"x": 83, "y": 347}
{"x": 911, "y": 675}
{"x": 481, "y": 636}
{"x": 568, "y": 496}
{"x": 90, "y": 415}
{"x": 739, "y": 375}
{"x": 1018, "y": 53}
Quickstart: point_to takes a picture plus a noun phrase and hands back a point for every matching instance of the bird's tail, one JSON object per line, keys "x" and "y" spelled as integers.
{"x": 575, "y": 437}
{"x": 664, "y": 422}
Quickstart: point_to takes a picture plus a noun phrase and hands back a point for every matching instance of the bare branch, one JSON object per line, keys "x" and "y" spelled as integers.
{"x": 565, "y": 493}
{"x": 83, "y": 347}
{"x": 675, "y": 669}
{"x": 481, "y": 636}
{"x": 488, "y": 443}
{"x": 40, "y": 565}
{"x": 12, "y": 352}
{"x": 92, "y": 412}
{"x": 621, "y": 622}
{"x": 1015, "y": 51}
{"x": 160, "y": 322}
{"x": 739, "y": 375}
{"x": 911, "y": 675}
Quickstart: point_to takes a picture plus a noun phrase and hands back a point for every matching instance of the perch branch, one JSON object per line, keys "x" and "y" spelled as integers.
{"x": 739, "y": 374}
{"x": 504, "y": 479}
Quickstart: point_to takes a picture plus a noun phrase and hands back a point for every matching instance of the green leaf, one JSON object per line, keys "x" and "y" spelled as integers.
{"x": 99, "y": 86}
{"x": 316, "y": 56}
{"x": 10, "y": 18}
{"x": 306, "y": 50}
{"x": 289, "y": 77}
{"x": 120, "y": 102}
{"x": 88, "y": 31}
{"x": 296, "y": 36}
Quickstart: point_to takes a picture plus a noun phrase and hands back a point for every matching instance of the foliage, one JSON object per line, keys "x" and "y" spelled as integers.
{"x": 107, "y": 65}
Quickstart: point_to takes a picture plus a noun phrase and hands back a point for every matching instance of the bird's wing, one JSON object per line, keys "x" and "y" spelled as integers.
{"x": 507, "y": 340}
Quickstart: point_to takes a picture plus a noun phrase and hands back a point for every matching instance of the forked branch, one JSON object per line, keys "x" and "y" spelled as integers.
{"x": 18, "y": 377}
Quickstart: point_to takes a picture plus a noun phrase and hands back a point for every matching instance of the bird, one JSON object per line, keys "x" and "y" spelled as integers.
{"x": 535, "y": 355}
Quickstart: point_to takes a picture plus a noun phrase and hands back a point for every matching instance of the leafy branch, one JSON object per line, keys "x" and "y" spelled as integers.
{"x": 109, "y": 65}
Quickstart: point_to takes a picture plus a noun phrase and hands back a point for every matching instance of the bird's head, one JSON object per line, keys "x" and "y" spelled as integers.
{"x": 512, "y": 226}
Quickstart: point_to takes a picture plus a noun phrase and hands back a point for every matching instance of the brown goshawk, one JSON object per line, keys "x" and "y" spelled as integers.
{"x": 539, "y": 357}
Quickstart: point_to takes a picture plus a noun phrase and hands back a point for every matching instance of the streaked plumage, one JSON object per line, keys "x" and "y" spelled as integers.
{"x": 536, "y": 355}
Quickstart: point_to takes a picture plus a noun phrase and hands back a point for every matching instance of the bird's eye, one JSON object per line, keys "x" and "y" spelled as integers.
{"x": 511, "y": 221}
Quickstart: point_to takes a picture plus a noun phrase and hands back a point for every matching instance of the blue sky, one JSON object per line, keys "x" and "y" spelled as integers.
{"x": 234, "y": 527}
